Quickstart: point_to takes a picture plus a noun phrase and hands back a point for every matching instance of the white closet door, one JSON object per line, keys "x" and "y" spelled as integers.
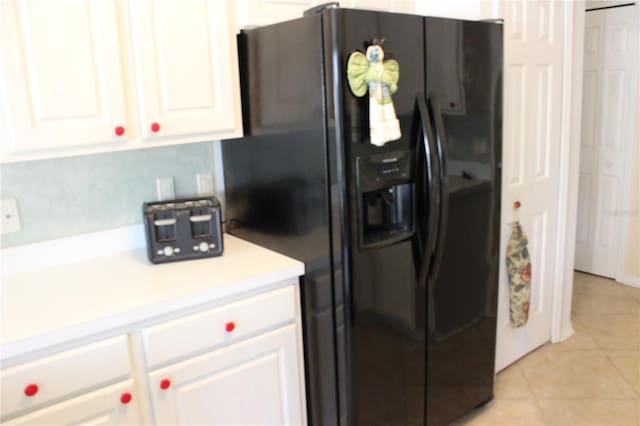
{"x": 610, "y": 49}
{"x": 534, "y": 49}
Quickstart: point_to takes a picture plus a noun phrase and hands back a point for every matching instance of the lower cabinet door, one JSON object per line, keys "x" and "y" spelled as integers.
{"x": 254, "y": 382}
{"x": 111, "y": 405}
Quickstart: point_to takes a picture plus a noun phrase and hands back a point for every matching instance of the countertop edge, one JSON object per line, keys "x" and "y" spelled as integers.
{"x": 99, "y": 318}
{"x": 121, "y": 321}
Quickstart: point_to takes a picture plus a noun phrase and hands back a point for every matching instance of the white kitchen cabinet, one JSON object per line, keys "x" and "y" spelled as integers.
{"x": 73, "y": 386}
{"x": 230, "y": 345}
{"x": 238, "y": 363}
{"x": 62, "y": 75}
{"x": 32, "y": 385}
{"x": 112, "y": 405}
{"x": 223, "y": 325}
{"x": 254, "y": 382}
{"x": 86, "y": 76}
{"x": 186, "y": 68}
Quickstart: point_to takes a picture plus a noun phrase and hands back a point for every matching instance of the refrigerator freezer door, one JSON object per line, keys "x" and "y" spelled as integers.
{"x": 386, "y": 303}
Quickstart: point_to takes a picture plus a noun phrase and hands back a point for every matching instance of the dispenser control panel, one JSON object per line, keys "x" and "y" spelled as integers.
{"x": 382, "y": 170}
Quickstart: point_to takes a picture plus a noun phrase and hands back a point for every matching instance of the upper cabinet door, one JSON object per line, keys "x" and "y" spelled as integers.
{"x": 186, "y": 68}
{"x": 62, "y": 75}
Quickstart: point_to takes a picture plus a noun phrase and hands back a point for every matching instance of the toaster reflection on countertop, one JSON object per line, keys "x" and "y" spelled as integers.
{"x": 182, "y": 229}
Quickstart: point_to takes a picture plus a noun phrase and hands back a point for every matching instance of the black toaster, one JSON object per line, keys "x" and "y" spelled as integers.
{"x": 182, "y": 229}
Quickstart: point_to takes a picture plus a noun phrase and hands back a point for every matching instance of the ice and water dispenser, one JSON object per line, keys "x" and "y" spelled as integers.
{"x": 385, "y": 192}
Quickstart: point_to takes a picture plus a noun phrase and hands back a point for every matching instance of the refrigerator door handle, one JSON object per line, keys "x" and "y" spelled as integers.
{"x": 431, "y": 171}
{"x": 441, "y": 141}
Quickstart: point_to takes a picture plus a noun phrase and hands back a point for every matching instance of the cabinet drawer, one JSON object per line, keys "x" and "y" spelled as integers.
{"x": 224, "y": 324}
{"x": 64, "y": 373}
{"x": 104, "y": 406}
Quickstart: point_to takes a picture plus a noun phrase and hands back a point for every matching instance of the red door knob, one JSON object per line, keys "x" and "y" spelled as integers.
{"x": 119, "y": 130}
{"x": 125, "y": 398}
{"x": 165, "y": 384}
{"x": 31, "y": 389}
{"x": 517, "y": 205}
{"x": 230, "y": 326}
{"x": 155, "y": 127}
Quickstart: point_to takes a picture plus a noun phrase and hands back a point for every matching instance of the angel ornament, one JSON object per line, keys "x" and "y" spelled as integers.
{"x": 370, "y": 71}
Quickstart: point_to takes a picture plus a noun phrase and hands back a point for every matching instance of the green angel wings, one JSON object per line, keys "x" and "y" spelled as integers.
{"x": 361, "y": 72}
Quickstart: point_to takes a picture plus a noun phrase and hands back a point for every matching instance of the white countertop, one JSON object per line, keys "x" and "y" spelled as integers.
{"x": 54, "y": 305}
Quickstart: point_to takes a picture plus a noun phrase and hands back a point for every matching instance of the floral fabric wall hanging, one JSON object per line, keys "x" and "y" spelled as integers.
{"x": 519, "y": 272}
{"x": 369, "y": 71}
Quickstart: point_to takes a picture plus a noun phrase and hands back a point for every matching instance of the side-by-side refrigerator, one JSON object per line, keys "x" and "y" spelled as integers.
{"x": 399, "y": 239}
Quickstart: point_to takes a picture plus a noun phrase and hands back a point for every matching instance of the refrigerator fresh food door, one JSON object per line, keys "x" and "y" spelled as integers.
{"x": 464, "y": 86}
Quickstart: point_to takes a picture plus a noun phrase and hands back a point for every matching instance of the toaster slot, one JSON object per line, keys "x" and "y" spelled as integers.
{"x": 201, "y": 223}
{"x": 165, "y": 226}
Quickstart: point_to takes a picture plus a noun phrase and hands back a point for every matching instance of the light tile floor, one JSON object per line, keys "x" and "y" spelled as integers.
{"x": 592, "y": 378}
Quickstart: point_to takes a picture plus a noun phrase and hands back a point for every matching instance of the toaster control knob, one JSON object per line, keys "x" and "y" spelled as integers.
{"x": 168, "y": 251}
{"x": 204, "y": 247}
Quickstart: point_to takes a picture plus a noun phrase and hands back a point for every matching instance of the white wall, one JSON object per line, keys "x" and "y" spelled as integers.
{"x": 459, "y": 9}
{"x": 592, "y": 4}
{"x": 632, "y": 254}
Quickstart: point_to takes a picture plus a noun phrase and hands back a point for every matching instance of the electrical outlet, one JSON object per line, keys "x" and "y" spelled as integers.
{"x": 165, "y": 188}
{"x": 205, "y": 184}
{"x": 10, "y": 216}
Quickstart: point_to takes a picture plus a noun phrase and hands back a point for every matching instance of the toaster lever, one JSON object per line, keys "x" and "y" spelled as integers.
{"x": 200, "y": 218}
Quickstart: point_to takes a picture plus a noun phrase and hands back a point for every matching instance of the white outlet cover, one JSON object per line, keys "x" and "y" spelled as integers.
{"x": 205, "y": 184}
{"x": 10, "y": 216}
{"x": 165, "y": 188}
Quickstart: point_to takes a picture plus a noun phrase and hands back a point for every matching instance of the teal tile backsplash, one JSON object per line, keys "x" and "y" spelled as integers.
{"x": 76, "y": 195}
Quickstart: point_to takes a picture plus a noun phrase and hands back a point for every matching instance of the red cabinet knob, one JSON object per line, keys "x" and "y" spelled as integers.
{"x": 31, "y": 389}
{"x": 230, "y": 326}
{"x": 517, "y": 205}
{"x": 165, "y": 383}
{"x": 125, "y": 398}
{"x": 155, "y": 127}
{"x": 119, "y": 130}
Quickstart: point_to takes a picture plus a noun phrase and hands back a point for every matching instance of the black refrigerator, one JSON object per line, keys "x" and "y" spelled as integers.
{"x": 400, "y": 241}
